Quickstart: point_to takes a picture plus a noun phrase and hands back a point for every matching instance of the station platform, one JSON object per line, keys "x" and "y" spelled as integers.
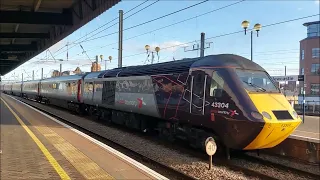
{"x": 37, "y": 146}
{"x": 309, "y": 130}
{"x": 303, "y": 144}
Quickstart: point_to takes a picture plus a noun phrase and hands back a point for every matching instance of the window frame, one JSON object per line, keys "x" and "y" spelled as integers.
{"x": 311, "y": 92}
{"x": 315, "y": 52}
{"x": 315, "y": 70}
{"x": 219, "y": 86}
{"x": 302, "y": 54}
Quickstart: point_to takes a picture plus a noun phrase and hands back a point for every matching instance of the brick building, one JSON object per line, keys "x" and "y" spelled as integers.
{"x": 310, "y": 60}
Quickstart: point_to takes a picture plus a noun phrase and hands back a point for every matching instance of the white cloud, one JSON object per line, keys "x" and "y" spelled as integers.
{"x": 169, "y": 45}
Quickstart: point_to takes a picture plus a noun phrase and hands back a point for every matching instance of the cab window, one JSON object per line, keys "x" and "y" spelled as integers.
{"x": 216, "y": 85}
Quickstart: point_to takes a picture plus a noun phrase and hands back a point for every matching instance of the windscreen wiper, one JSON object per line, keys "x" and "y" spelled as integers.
{"x": 253, "y": 85}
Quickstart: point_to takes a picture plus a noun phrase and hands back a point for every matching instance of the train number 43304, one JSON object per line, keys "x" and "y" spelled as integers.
{"x": 220, "y": 105}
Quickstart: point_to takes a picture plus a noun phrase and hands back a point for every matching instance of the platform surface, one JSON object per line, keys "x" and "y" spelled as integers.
{"x": 34, "y": 146}
{"x": 309, "y": 130}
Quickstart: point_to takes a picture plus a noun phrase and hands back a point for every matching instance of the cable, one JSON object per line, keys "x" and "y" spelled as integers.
{"x": 123, "y": 19}
{"x": 112, "y": 24}
{"x": 174, "y": 23}
{"x": 136, "y": 6}
{"x": 236, "y": 32}
{"x": 149, "y": 21}
{"x": 141, "y": 9}
{"x": 103, "y": 25}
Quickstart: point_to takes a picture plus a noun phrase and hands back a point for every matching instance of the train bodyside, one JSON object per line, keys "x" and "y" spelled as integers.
{"x": 64, "y": 91}
{"x": 7, "y": 88}
{"x": 31, "y": 89}
{"x": 16, "y": 88}
{"x": 197, "y": 98}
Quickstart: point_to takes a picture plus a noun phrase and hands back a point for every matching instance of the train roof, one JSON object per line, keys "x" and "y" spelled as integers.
{"x": 211, "y": 61}
{"x": 32, "y": 81}
{"x": 93, "y": 75}
{"x": 227, "y": 60}
{"x": 64, "y": 78}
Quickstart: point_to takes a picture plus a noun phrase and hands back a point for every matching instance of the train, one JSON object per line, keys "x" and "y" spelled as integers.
{"x": 224, "y": 97}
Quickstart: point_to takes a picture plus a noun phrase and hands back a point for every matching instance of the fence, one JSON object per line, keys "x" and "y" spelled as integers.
{"x": 310, "y": 106}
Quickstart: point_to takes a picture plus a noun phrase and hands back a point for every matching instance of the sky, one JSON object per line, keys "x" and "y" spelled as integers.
{"x": 276, "y": 47}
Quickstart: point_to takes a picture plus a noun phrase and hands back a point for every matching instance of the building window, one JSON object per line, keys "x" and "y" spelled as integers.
{"x": 302, "y": 54}
{"x": 315, "y": 52}
{"x": 302, "y": 71}
{"x": 315, "y": 69}
{"x": 313, "y": 30}
{"x": 315, "y": 89}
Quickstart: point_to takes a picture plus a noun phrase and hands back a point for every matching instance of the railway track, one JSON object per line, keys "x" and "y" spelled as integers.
{"x": 278, "y": 166}
{"x": 173, "y": 173}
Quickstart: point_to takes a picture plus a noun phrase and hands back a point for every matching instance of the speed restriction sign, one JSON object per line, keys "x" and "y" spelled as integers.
{"x": 211, "y": 147}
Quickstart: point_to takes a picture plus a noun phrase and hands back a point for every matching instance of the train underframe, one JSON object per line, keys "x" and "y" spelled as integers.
{"x": 170, "y": 131}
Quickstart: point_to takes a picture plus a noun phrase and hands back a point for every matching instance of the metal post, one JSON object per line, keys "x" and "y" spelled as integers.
{"x": 60, "y": 69}
{"x": 251, "y": 44}
{"x": 120, "y": 38}
{"x": 304, "y": 101}
{"x": 152, "y": 57}
{"x": 204, "y": 94}
{"x": 285, "y": 82}
{"x": 33, "y": 75}
{"x": 105, "y": 64}
{"x": 191, "y": 93}
{"x": 41, "y": 73}
{"x": 97, "y": 59}
{"x": 202, "y": 45}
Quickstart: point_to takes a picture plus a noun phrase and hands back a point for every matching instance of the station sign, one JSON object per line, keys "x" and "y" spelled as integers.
{"x": 301, "y": 78}
{"x": 285, "y": 78}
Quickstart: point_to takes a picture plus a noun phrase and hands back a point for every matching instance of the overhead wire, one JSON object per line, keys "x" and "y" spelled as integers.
{"x": 149, "y": 21}
{"x": 188, "y": 19}
{"x": 104, "y": 25}
{"x": 232, "y": 33}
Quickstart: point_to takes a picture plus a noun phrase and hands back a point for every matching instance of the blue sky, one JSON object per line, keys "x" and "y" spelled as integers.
{"x": 275, "y": 47}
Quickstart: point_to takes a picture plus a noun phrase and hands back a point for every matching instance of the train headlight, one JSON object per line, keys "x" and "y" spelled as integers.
{"x": 267, "y": 115}
{"x": 295, "y": 115}
{"x": 256, "y": 115}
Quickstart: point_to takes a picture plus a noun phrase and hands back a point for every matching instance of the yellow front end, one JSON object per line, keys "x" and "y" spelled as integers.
{"x": 274, "y": 131}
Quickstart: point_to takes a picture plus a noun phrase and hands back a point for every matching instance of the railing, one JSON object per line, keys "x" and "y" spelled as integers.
{"x": 310, "y": 106}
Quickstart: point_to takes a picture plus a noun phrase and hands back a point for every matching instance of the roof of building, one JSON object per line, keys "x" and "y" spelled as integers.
{"x": 309, "y": 23}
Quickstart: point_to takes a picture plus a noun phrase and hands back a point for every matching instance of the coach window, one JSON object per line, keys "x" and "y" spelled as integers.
{"x": 216, "y": 84}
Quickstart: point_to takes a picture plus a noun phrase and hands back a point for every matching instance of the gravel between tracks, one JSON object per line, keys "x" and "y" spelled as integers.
{"x": 192, "y": 166}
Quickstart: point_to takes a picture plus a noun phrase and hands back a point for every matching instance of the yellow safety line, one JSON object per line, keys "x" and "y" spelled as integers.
{"x": 44, "y": 150}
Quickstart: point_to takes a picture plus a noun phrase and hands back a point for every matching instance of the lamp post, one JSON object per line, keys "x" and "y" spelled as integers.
{"x": 256, "y": 27}
{"x": 157, "y": 50}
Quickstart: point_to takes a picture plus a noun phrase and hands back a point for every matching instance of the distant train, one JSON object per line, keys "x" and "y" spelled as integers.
{"x": 225, "y": 97}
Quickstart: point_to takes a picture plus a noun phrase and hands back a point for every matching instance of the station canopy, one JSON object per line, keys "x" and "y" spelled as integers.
{"x": 28, "y": 27}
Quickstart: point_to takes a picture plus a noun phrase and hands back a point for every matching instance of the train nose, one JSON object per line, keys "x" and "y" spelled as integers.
{"x": 237, "y": 134}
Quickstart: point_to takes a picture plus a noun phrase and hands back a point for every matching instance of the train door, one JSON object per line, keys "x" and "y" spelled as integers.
{"x": 217, "y": 97}
{"x": 198, "y": 92}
